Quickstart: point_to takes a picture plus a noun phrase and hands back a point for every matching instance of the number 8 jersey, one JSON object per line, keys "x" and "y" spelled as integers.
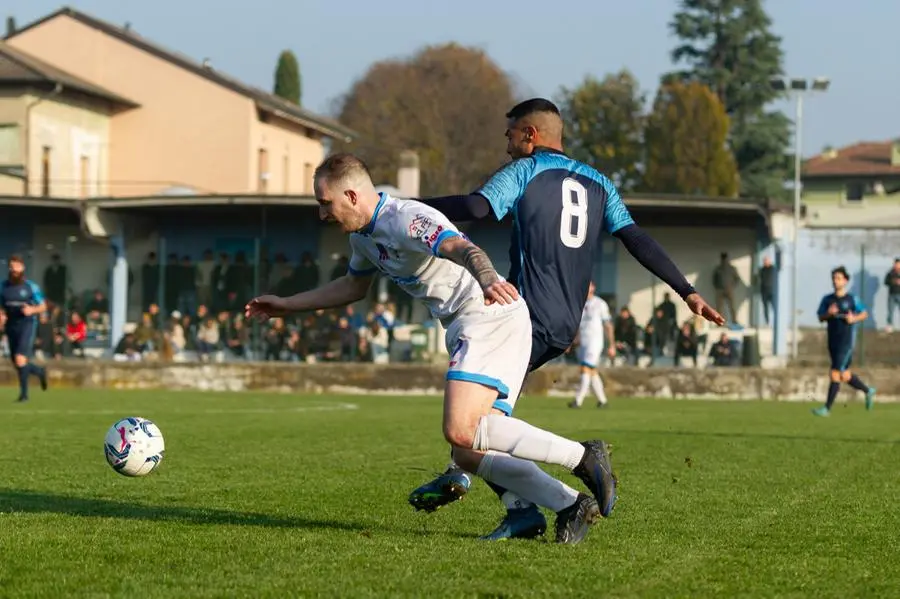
{"x": 559, "y": 207}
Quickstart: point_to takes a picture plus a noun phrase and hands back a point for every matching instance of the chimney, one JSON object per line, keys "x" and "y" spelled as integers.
{"x": 408, "y": 174}
{"x": 895, "y": 153}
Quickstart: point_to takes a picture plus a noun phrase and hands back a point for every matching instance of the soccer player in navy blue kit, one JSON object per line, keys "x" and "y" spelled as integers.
{"x": 22, "y": 301}
{"x": 559, "y": 208}
{"x": 842, "y": 312}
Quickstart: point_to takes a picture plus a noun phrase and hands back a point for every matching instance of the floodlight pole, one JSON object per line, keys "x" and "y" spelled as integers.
{"x": 795, "y": 268}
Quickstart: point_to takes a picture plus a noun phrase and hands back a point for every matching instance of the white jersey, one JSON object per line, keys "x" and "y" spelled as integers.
{"x": 402, "y": 242}
{"x": 594, "y": 316}
{"x": 592, "y": 335}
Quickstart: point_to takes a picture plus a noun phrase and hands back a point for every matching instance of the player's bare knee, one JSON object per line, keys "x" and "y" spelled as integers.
{"x": 20, "y": 361}
{"x": 835, "y": 376}
{"x": 846, "y": 376}
{"x": 459, "y": 435}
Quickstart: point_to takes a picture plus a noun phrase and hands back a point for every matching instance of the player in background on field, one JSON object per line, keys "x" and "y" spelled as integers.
{"x": 843, "y": 312}
{"x": 488, "y": 339}
{"x": 559, "y": 208}
{"x": 596, "y": 324}
{"x": 22, "y": 300}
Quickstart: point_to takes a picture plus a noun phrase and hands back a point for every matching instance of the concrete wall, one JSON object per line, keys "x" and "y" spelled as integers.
{"x": 735, "y": 383}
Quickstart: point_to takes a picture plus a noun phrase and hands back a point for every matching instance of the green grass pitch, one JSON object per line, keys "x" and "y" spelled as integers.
{"x": 284, "y": 496}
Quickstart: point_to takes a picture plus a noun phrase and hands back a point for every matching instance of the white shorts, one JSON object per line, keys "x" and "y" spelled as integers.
{"x": 491, "y": 345}
{"x": 590, "y": 351}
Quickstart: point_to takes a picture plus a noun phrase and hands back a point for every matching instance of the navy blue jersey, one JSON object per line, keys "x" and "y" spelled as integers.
{"x": 14, "y": 297}
{"x": 841, "y": 334}
{"x": 559, "y": 207}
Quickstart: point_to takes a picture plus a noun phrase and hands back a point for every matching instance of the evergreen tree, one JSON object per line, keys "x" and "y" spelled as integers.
{"x": 728, "y": 45}
{"x": 687, "y": 143}
{"x": 287, "y": 77}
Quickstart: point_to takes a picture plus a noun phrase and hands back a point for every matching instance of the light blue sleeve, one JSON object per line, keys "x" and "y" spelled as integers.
{"x": 37, "y": 296}
{"x": 507, "y": 186}
{"x": 858, "y": 305}
{"x": 616, "y": 216}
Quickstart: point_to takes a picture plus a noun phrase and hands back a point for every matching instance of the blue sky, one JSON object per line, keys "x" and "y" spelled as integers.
{"x": 336, "y": 41}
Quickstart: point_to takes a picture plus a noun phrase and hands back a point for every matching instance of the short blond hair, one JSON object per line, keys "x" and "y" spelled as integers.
{"x": 343, "y": 167}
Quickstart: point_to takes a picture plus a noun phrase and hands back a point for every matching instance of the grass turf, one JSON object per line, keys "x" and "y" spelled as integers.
{"x": 272, "y": 496}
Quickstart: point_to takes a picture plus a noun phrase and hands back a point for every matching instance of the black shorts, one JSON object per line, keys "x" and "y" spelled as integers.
{"x": 542, "y": 351}
{"x": 20, "y": 337}
{"x": 841, "y": 356}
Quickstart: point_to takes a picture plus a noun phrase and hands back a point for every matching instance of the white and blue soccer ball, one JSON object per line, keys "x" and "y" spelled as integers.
{"x": 134, "y": 446}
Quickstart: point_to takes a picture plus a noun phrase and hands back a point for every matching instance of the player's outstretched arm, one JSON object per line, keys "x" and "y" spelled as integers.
{"x": 654, "y": 258}
{"x": 340, "y": 292}
{"x": 468, "y": 255}
{"x": 460, "y": 208}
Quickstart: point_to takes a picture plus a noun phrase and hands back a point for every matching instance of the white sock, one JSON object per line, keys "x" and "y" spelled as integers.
{"x": 517, "y": 437}
{"x": 582, "y": 388}
{"x": 526, "y": 479}
{"x": 597, "y": 386}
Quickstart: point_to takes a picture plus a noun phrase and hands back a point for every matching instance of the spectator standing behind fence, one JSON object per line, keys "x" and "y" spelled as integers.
{"x": 220, "y": 278}
{"x": 767, "y": 287}
{"x": 892, "y": 282}
{"x": 670, "y": 317}
{"x": 725, "y": 280}
{"x": 149, "y": 281}
{"x": 55, "y": 280}
{"x": 205, "y": 278}
{"x": 626, "y": 333}
{"x": 306, "y": 275}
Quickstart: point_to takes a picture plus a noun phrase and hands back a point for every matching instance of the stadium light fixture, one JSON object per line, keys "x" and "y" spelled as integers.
{"x": 797, "y": 87}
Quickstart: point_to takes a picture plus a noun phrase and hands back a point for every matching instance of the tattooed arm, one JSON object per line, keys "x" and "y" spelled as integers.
{"x": 468, "y": 255}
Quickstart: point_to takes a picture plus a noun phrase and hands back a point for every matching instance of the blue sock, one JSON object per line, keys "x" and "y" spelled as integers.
{"x": 832, "y": 394}
{"x": 858, "y": 384}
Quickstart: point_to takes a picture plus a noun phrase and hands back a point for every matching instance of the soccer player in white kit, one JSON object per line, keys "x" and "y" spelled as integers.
{"x": 488, "y": 338}
{"x": 596, "y": 327}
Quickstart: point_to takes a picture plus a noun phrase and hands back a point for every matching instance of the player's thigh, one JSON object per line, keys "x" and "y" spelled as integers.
{"x": 489, "y": 352}
{"x": 21, "y": 345}
{"x": 465, "y": 403}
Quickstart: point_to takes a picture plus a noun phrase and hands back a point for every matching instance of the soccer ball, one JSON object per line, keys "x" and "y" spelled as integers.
{"x": 134, "y": 447}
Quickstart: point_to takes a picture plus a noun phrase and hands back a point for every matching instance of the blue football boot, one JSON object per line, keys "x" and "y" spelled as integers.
{"x": 522, "y": 523}
{"x": 450, "y": 486}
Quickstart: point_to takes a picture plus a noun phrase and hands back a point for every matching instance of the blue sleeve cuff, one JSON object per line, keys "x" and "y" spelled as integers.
{"x": 435, "y": 249}
{"x": 361, "y": 273}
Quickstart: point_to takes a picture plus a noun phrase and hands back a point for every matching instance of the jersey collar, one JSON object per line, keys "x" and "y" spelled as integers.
{"x": 544, "y": 149}
{"x": 369, "y": 228}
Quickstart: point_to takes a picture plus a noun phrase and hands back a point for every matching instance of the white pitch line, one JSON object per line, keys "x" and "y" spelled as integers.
{"x": 341, "y": 407}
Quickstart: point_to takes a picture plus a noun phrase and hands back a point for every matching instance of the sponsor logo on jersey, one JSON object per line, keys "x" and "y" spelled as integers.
{"x": 419, "y": 225}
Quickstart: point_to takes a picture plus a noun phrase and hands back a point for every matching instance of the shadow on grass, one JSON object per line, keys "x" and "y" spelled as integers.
{"x": 16, "y": 500}
{"x": 36, "y": 502}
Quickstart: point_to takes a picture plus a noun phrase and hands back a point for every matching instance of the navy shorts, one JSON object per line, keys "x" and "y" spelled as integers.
{"x": 21, "y": 339}
{"x": 841, "y": 357}
{"x": 542, "y": 351}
